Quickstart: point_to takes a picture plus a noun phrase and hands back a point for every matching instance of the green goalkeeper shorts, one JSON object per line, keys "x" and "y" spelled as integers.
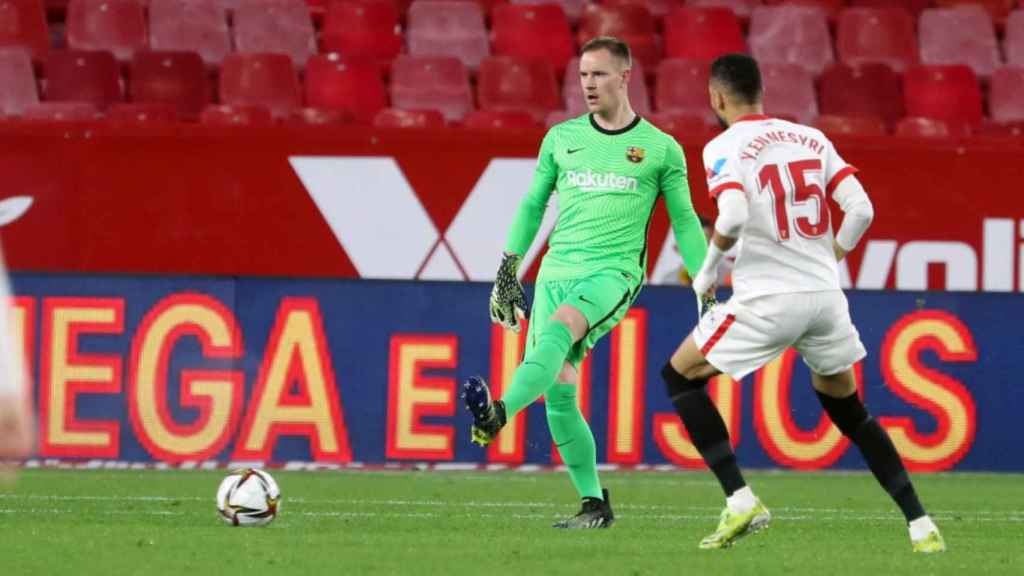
{"x": 603, "y": 299}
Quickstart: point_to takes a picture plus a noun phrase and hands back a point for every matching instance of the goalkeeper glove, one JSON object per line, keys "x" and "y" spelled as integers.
{"x": 508, "y": 301}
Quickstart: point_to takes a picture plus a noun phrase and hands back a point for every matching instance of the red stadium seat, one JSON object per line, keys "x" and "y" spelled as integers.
{"x": 949, "y": 93}
{"x": 174, "y": 78}
{"x": 62, "y": 112}
{"x": 1011, "y": 130}
{"x": 997, "y": 9}
{"x": 495, "y": 120}
{"x": 962, "y": 35}
{"x": 831, "y": 7}
{"x": 1006, "y": 95}
{"x": 883, "y": 35}
{"x": 118, "y": 26}
{"x": 367, "y": 28}
{"x": 239, "y": 115}
{"x": 512, "y": 84}
{"x": 572, "y": 90}
{"x": 573, "y": 8}
{"x": 394, "y": 118}
{"x": 275, "y": 26}
{"x": 682, "y": 88}
{"x": 834, "y": 126}
{"x": 632, "y": 23}
{"x": 353, "y": 86}
{"x": 915, "y": 7}
{"x": 448, "y": 28}
{"x": 190, "y": 25}
{"x": 23, "y": 25}
{"x": 17, "y": 82}
{"x": 143, "y": 113}
{"x": 789, "y": 92}
{"x": 318, "y": 117}
{"x": 432, "y": 83}
{"x": 868, "y": 90}
{"x": 683, "y": 124}
{"x": 260, "y": 79}
{"x": 742, "y": 8}
{"x": 658, "y": 8}
{"x": 791, "y": 35}
{"x": 540, "y": 32}
{"x": 91, "y": 77}
{"x": 917, "y": 127}
{"x": 702, "y": 33}
{"x": 1013, "y": 43}
{"x": 557, "y": 117}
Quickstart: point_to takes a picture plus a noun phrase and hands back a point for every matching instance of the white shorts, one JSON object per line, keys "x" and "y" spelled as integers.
{"x": 738, "y": 338}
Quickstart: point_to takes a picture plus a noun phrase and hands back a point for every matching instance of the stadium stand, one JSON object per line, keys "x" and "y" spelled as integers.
{"x": 540, "y": 32}
{"x": 23, "y": 25}
{"x": 351, "y": 86}
{"x": 262, "y": 79}
{"x": 193, "y": 25}
{"x": 448, "y": 28}
{"x": 18, "y": 88}
{"x": 887, "y": 59}
{"x": 83, "y": 76}
{"x": 396, "y": 118}
{"x": 702, "y": 33}
{"x": 118, "y": 26}
{"x": 507, "y": 84}
{"x": 176, "y": 79}
{"x": 797, "y": 35}
{"x": 871, "y": 90}
{"x": 876, "y": 35}
{"x": 431, "y": 82}
{"x": 961, "y": 35}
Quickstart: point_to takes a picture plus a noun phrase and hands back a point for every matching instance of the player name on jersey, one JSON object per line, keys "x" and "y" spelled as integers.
{"x": 766, "y": 139}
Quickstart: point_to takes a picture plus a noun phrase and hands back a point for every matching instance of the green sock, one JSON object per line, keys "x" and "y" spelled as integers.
{"x": 574, "y": 439}
{"x": 539, "y": 369}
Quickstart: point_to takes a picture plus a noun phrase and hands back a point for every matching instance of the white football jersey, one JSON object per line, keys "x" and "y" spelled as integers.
{"x": 787, "y": 172}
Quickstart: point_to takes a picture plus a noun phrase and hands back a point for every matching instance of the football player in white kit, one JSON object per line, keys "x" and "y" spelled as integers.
{"x": 771, "y": 179}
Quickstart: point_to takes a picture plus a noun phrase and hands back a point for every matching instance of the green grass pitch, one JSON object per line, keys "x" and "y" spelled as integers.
{"x": 424, "y": 523}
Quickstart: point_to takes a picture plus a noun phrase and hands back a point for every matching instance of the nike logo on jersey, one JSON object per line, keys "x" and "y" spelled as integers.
{"x": 584, "y": 298}
{"x": 574, "y": 150}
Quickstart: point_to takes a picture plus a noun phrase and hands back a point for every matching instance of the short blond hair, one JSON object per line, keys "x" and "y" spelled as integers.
{"x": 613, "y": 45}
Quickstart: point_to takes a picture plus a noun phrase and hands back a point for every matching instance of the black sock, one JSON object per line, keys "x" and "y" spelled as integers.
{"x": 853, "y": 420}
{"x": 706, "y": 427}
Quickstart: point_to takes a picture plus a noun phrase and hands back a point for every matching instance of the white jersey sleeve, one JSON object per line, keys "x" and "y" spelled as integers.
{"x": 721, "y": 168}
{"x": 836, "y": 169}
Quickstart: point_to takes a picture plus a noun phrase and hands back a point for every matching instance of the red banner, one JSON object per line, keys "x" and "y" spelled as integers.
{"x": 435, "y": 204}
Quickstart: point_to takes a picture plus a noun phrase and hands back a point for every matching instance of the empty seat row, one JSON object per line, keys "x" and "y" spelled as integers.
{"x": 796, "y": 33}
{"x": 356, "y": 89}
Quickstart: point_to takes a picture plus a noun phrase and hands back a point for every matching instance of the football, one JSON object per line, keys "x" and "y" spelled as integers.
{"x": 248, "y": 497}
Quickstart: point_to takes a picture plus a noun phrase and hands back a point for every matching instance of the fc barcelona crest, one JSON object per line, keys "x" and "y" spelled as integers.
{"x": 635, "y": 154}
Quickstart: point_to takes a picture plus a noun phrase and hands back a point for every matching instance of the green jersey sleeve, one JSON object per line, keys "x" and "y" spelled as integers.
{"x": 531, "y": 210}
{"x": 685, "y": 223}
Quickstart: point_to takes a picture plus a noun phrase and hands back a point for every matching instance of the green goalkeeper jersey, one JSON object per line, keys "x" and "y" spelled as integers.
{"x": 608, "y": 183}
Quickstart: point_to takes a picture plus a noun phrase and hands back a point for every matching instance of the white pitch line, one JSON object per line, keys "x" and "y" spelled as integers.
{"x": 424, "y": 515}
{"x": 668, "y": 507}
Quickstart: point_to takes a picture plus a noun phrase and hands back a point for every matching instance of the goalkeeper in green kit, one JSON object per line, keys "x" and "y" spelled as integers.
{"x": 608, "y": 168}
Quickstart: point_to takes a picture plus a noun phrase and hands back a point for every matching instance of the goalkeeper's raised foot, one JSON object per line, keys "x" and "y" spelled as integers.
{"x": 734, "y": 525}
{"x": 488, "y": 415}
{"x": 594, "y": 513}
